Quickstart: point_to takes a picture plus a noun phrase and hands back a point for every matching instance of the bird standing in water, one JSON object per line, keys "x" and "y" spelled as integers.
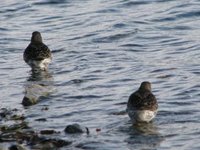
{"x": 142, "y": 105}
{"x": 37, "y": 55}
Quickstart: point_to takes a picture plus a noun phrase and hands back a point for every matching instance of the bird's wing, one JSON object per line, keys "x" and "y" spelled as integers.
{"x": 143, "y": 101}
{"x": 37, "y": 52}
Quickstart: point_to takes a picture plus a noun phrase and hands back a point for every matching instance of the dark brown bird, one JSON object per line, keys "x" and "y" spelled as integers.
{"x": 142, "y": 105}
{"x": 37, "y": 55}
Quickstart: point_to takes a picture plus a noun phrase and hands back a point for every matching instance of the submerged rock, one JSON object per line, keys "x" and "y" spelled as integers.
{"x": 41, "y": 119}
{"x": 56, "y": 142}
{"x": 48, "y": 132}
{"x": 33, "y": 139}
{"x": 34, "y": 93}
{"x": 76, "y": 128}
{"x": 15, "y": 131}
{"x": 17, "y": 147}
{"x": 10, "y": 114}
{"x": 4, "y": 113}
{"x": 14, "y": 127}
{"x": 51, "y": 144}
{"x": 29, "y": 101}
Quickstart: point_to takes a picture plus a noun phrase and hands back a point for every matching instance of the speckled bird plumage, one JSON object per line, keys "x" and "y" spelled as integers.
{"x": 142, "y": 105}
{"x": 37, "y": 54}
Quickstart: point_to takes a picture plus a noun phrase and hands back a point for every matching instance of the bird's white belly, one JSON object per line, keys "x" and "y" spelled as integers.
{"x": 43, "y": 64}
{"x": 141, "y": 115}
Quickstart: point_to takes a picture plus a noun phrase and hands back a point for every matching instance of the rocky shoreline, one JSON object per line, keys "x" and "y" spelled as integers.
{"x": 16, "y": 133}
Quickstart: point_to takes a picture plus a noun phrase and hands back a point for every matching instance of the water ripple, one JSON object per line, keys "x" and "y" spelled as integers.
{"x": 102, "y": 51}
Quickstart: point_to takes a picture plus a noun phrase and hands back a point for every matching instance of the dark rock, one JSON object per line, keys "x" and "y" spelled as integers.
{"x": 14, "y": 127}
{"x": 29, "y": 101}
{"x": 41, "y": 119}
{"x": 17, "y": 147}
{"x": 57, "y": 142}
{"x": 45, "y": 109}
{"x": 75, "y": 128}
{"x": 13, "y": 147}
{"x": 17, "y": 117}
{"x": 8, "y": 114}
{"x": 48, "y": 132}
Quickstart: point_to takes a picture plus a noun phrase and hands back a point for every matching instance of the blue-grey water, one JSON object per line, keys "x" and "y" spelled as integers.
{"x": 102, "y": 51}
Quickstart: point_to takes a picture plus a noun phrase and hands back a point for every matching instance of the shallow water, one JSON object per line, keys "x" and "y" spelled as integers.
{"x": 102, "y": 51}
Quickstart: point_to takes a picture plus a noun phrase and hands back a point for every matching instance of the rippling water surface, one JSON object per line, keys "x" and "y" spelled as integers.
{"x": 102, "y": 51}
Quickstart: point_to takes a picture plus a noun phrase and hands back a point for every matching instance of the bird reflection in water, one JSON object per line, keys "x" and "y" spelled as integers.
{"x": 145, "y": 128}
{"x": 144, "y": 136}
{"x": 38, "y": 86}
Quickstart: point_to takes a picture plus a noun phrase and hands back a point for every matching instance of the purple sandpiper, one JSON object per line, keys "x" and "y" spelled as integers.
{"x": 37, "y": 55}
{"x": 142, "y": 105}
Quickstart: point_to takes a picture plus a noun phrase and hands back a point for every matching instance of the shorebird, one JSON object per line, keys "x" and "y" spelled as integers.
{"x": 142, "y": 105}
{"x": 37, "y": 55}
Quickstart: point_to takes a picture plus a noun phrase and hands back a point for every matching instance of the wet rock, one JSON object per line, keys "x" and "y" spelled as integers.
{"x": 51, "y": 144}
{"x": 17, "y": 117}
{"x": 27, "y": 136}
{"x": 14, "y": 127}
{"x": 34, "y": 140}
{"x": 45, "y": 109}
{"x": 29, "y": 101}
{"x": 41, "y": 119}
{"x": 4, "y": 112}
{"x": 31, "y": 138}
{"x": 91, "y": 145}
{"x": 35, "y": 92}
{"x": 19, "y": 136}
{"x": 48, "y": 132}
{"x": 10, "y": 114}
{"x": 76, "y": 128}
{"x": 57, "y": 142}
{"x": 17, "y": 147}
{"x": 47, "y": 146}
